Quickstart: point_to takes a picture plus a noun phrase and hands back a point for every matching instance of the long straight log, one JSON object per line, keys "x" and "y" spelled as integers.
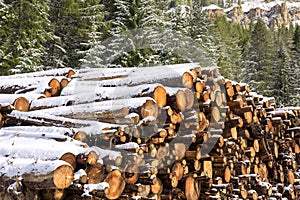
{"x": 144, "y": 106}
{"x": 85, "y": 91}
{"x": 42, "y": 129}
{"x": 167, "y": 75}
{"x": 43, "y": 119}
{"x": 38, "y": 174}
{"x": 67, "y": 72}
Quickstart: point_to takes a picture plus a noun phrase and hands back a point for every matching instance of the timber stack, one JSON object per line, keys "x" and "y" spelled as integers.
{"x": 166, "y": 132}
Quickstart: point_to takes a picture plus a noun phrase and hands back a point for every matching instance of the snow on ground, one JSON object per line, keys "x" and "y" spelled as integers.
{"x": 248, "y": 5}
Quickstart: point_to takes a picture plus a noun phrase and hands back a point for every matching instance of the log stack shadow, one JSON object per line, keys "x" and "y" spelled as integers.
{"x": 168, "y": 132}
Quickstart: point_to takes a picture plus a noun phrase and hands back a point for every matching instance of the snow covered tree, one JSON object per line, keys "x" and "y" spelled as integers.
{"x": 132, "y": 26}
{"x": 203, "y": 32}
{"x": 92, "y": 16}
{"x": 65, "y": 15}
{"x": 25, "y": 29}
{"x": 6, "y": 17}
{"x": 295, "y": 51}
{"x": 285, "y": 81}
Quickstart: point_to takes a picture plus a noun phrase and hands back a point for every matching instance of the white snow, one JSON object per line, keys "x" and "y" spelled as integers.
{"x": 40, "y": 129}
{"x": 51, "y": 102}
{"x": 10, "y": 98}
{"x": 128, "y": 145}
{"x": 13, "y": 188}
{"x": 90, "y": 187}
{"x": 51, "y": 72}
{"x": 131, "y": 115}
{"x": 147, "y": 120}
{"x": 113, "y": 155}
{"x": 211, "y": 7}
{"x": 253, "y": 4}
{"x": 95, "y": 107}
{"x": 27, "y": 82}
{"x": 38, "y": 148}
{"x": 79, "y": 173}
{"x": 87, "y": 125}
{"x": 17, "y": 167}
{"x": 138, "y": 76}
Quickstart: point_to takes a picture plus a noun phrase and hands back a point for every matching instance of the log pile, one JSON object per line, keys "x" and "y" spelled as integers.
{"x": 171, "y": 132}
{"x": 21, "y": 89}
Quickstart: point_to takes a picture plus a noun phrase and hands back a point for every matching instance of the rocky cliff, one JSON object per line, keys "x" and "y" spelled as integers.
{"x": 274, "y": 13}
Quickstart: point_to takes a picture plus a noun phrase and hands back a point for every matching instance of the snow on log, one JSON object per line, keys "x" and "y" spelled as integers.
{"x": 110, "y": 109}
{"x": 168, "y": 75}
{"x": 85, "y": 91}
{"x": 58, "y": 101}
{"x": 34, "y": 147}
{"x": 38, "y": 135}
{"x": 92, "y": 188}
{"x": 67, "y": 72}
{"x": 112, "y": 156}
{"x": 38, "y": 174}
{"x": 42, "y": 129}
{"x": 20, "y": 102}
{"x": 50, "y": 86}
{"x": 98, "y": 74}
{"x": 41, "y": 118}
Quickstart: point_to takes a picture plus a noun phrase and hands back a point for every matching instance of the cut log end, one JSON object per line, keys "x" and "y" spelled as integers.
{"x": 189, "y": 95}
{"x": 64, "y": 82}
{"x": 71, "y": 72}
{"x": 187, "y": 80}
{"x": 160, "y": 96}
{"x": 181, "y": 101}
{"x": 149, "y": 108}
{"x": 69, "y": 158}
{"x": 55, "y": 87}
{"x": 191, "y": 189}
{"x": 116, "y": 184}
{"x": 95, "y": 173}
{"x": 21, "y": 104}
{"x": 63, "y": 176}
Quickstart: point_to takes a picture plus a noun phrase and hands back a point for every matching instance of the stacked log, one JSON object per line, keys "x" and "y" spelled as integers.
{"x": 21, "y": 90}
{"x": 179, "y": 132}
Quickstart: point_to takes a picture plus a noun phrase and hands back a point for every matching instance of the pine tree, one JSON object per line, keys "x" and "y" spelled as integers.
{"x": 295, "y": 51}
{"x": 132, "y": 27}
{"x": 284, "y": 79}
{"x": 6, "y": 17}
{"x": 92, "y": 16}
{"x": 229, "y": 52}
{"x": 26, "y": 28}
{"x": 66, "y": 17}
{"x": 257, "y": 59}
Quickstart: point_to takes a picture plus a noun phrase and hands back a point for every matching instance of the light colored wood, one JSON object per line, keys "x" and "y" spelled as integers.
{"x": 191, "y": 189}
{"x": 207, "y": 168}
{"x": 116, "y": 184}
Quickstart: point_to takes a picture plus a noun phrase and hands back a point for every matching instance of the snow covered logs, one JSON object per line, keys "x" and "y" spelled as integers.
{"x": 21, "y": 89}
{"x": 166, "y": 154}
